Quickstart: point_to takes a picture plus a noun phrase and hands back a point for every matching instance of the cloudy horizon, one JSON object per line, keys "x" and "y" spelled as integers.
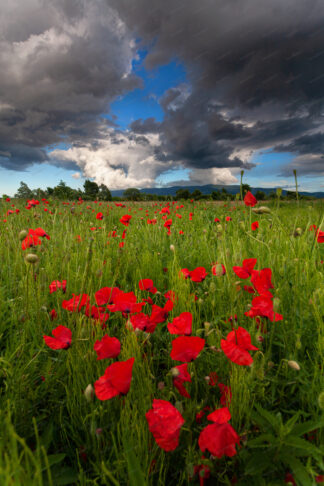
{"x": 151, "y": 93}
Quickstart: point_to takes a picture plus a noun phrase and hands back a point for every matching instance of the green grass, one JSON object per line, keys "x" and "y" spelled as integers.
{"x": 51, "y": 435}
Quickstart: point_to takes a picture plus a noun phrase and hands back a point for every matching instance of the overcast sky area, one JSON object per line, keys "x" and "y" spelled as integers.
{"x": 146, "y": 93}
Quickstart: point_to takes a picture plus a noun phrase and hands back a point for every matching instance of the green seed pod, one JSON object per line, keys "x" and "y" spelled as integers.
{"x": 32, "y": 258}
{"x": 22, "y": 235}
{"x": 321, "y": 400}
{"x": 89, "y": 393}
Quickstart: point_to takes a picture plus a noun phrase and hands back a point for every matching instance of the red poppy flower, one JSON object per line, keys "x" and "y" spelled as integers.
{"x": 226, "y": 394}
{"x": 99, "y": 216}
{"x": 181, "y": 375}
{"x": 181, "y": 324}
{"x": 216, "y": 220}
{"x": 115, "y": 381}
{"x": 125, "y": 302}
{"x": 147, "y": 284}
{"x": 30, "y": 240}
{"x": 141, "y": 321}
{"x": 249, "y": 199}
{"x": 254, "y": 225}
{"x": 261, "y": 281}
{"x": 186, "y": 348}
{"x": 246, "y": 269}
{"x": 219, "y": 440}
{"x": 39, "y": 232}
{"x": 220, "y": 416}
{"x": 168, "y": 223}
{"x": 53, "y": 314}
{"x": 165, "y": 422}
{"x": 76, "y": 303}
{"x": 320, "y": 236}
{"x": 263, "y": 306}
{"x": 106, "y": 295}
{"x": 57, "y": 285}
{"x": 160, "y": 314}
{"x": 62, "y": 338}
{"x": 237, "y": 345}
{"x": 228, "y": 218}
{"x": 184, "y": 272}
{"x": 218, "y": 269}
{"x": 125, "y": 219}
{"x": 108, "y": 347}
{"x": 198, "y": 274}
{"x": 97, "y": 313}
{"x": 171, "y": 295}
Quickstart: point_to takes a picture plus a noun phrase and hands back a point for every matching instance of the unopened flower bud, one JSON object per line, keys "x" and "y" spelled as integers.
{"x": 89, "y": 393}
{"x": 172, "y": 248}
{"x": 293, "y": 365}
{"x": 207, "y": 325}
{"x": 161, "y": 385}
{"x": 321, "y": 400}
{"x": 32, "y": 258}
{"x": 175, "y": 372}
{"x": 22, "y": 235}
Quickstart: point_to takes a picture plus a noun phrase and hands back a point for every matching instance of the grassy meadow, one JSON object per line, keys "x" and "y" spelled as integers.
{"x": 54, "y": 433}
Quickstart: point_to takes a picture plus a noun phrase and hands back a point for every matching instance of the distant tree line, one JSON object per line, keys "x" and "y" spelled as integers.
{"x": 92, "y": 191}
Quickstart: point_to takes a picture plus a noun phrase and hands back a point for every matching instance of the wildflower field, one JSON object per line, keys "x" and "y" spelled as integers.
{"x": 161, "y": 343}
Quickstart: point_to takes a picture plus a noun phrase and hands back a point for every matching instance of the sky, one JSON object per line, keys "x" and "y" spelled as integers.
{"x": 150, "y": 93}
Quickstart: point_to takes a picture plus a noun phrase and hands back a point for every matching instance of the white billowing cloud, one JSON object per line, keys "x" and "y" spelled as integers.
{"x": 118, "y": 160}
{"x": 212, "y": 176}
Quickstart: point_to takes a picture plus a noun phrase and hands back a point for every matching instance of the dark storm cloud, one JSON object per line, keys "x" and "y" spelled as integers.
{"x": 255, "y": 72}
{"x": 149, "y": 125}
{"x": 61, "y": 64}
{"x": 262, "y": 60}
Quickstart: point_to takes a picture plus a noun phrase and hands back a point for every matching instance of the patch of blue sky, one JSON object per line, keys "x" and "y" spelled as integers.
{"x": 173, "y": 175}
{"x": 144, "y": 102}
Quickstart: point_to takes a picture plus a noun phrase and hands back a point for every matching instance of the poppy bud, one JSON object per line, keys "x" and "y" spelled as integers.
{"x": 32, "y": 258}
{"x": 242, "y": 224}
{"x": 172, "y": 248}
{"x": 294, "y": 365}
{"x": 270, "y": 364}
{"x": 89, "y": 393}
{"x": 22, "y": 235}
{"x": 175, "y": 372}
{"x": 321, "y": 400}
{"x": 298, "y": 232}
{"x": 161, "y": 385}
{"x": 279, "y": 191}
{"x": 207, "y": 325}
{"x": 207, "y": 379}
{"x": 129, "y": 325}
{"x": 219, "y": 228}
{"x": 276, "y": 303}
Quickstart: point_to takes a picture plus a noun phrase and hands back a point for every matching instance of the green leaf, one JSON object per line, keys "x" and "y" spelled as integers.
{"x": 298, "y": 443}
{"x": 299, "y": 471}
{"x": 135, "y": 474}
{"x": 259, "y": 462}
{"x": 271, "y": 419}
{"x": 301, "y": 429}
{"x": 263, "y": 440}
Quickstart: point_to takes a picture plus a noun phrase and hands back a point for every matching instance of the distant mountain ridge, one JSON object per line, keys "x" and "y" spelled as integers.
{"x": 209, "y": 188}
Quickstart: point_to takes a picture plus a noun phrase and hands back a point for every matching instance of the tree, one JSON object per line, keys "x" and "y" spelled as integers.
{"x": 104, "y": 193}
{"x": 24, "y": 191}
{"x": 216, "y": 196}
{"x": 260, "y": 195}
{"x": 182, "y": 194}
{"x": 196, "y": 194}
{"x": 91, "y": 189}
{"x": 62, "y": 191}
{"x": 132, "y": 193}
{"x": 246, "y": 188}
